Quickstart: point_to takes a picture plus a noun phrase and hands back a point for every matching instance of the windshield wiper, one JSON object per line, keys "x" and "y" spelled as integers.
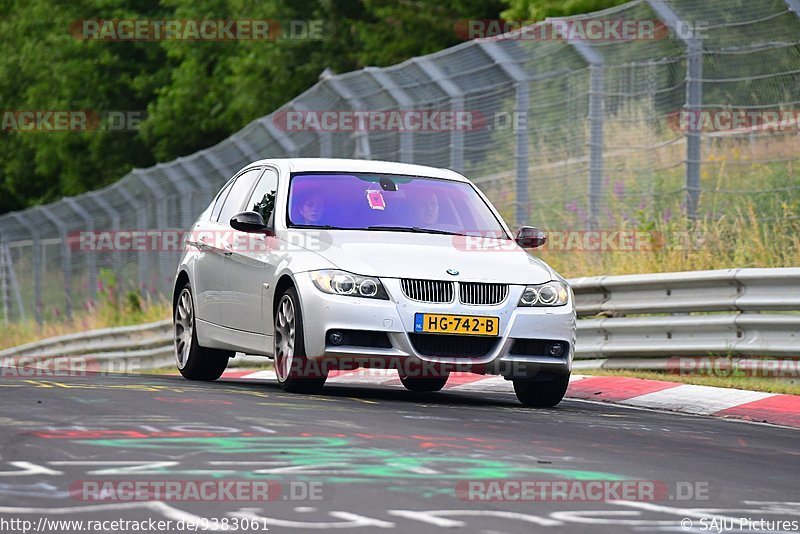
{"x": 414, "y": 229}
{"x": 318, "y": 226}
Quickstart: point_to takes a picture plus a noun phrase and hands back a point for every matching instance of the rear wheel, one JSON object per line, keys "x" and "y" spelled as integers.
{"x": 426, "y": 384}
{"x": 194, "y": 362}
{"x": 541, "y": 393}
{"x": 294, "y": 371}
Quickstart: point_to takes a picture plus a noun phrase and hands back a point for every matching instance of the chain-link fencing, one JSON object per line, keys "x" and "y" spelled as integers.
{"x": 690, "y": 116}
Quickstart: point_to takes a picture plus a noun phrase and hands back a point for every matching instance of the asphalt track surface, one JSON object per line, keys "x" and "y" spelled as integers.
{"x": 376, "y": 459}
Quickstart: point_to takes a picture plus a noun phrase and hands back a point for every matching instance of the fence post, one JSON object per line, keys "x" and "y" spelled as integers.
{"x": 66, "y": 258}
{"x": 522, "y": 102}
{"x": 405, "y": 103}
{"x": 361, "y": 137}
{"x": 694, "y": 101}
{"x": 91, "y": 262}
{"x": 36, "y": 263}
{"x": 283, "y": 140}
{"x": 116, "y": 259}
{"x": 596, "y": 126}
{"x": 244, "y": 146}
{"x": 160, "y": 198}
{"x": 141, "y": 222}
{"x": 186, "y": 195}
{"x": 456, "y": 96}
{"x": 14, "y": 283}
{"x": 4, "y": 261}
{"x": 205, "y": 183}
{"x": 325, "y": 144}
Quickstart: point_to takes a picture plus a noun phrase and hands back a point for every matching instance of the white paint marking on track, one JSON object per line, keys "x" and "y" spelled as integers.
{"x": 704, "y": 400}
{"x": 268, "y": 374}
{"x": 488, "y": 384}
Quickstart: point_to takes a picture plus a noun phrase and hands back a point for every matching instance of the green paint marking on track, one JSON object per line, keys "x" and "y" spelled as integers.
{"x": 337, "y": 460}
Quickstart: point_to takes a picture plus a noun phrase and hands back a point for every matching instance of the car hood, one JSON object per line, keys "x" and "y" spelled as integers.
{"x": 429, "y": 256}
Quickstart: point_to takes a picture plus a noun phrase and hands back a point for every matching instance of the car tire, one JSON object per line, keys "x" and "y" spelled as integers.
{"x": 424, "y": 384}
{"x": 541, "y": 393}
{"x": 295, "y": 372}
{"x": 194, "y": 362}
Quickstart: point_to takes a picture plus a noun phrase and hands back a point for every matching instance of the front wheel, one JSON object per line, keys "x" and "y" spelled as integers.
{"x": 541, "y": 393}
{"x": 194, "y": 362}
{"x": 295, "y": 372}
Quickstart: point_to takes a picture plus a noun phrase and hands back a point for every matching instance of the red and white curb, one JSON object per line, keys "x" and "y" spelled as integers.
{"x": 655, "y": 394}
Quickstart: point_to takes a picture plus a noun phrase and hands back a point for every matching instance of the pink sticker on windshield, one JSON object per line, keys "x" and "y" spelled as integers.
{"x": 375, "y": 199}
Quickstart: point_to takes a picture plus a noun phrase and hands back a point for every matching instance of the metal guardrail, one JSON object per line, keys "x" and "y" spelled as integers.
{"x": 636, "y": 322}
{"x": 737, "y": 312}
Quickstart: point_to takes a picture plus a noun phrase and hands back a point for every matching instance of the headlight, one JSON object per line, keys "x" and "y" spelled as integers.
{"x": 349, "y": 284}
{"x": 549, "y": 294}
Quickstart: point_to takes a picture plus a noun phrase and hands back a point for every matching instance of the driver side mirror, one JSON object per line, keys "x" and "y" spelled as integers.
{"x": 251, "y": 222}
{"x": 530, "y": 237}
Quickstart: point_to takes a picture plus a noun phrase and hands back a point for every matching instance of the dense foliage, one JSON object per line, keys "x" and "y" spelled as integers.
{"x": 194, "y": 93}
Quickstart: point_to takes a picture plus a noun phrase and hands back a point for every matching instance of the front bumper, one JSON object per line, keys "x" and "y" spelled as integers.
{"x": 323, "y": 312}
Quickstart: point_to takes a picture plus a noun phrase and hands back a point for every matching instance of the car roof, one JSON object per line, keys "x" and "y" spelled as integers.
{"x": 359, "y": 165}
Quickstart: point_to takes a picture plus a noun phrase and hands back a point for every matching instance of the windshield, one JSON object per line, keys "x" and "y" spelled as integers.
{"x": 391, "y": 202}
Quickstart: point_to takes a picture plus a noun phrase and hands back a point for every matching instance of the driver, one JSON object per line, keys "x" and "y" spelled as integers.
{"x": 312, "y": 209}
{"x": 427, "y": 211}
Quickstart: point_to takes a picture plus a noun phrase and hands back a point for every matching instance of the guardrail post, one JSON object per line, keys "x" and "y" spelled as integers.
{"x": 522, "y": 102}
{"x": 596, "y": 119}
{"x": 90, "y": 260}
{"x": 36, "y": 263}
{"x": 404, "y": 102}
{"x": 456, "y": 96}
{"x": 66, "y": 258}
{"x": 694, "y": 101}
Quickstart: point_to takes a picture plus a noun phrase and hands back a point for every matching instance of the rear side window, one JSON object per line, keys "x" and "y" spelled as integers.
{"x": 238, "y": 194}
{"x": 220, "y": 201}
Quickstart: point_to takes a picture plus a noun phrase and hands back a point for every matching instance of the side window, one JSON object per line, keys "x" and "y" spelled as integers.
{"x": 239, "y": 191}
{"x": 220, "y": 201}
{"x": 263, "y": 198}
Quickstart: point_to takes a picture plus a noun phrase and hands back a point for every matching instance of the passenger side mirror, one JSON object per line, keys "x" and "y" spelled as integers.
{"x": 530, "y": 237}
{"x": 251, "y": 222}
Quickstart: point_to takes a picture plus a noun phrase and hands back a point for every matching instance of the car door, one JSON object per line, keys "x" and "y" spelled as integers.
{"x": 216, "y": 243}
{"x": 208, "y": 261}
{"x": 252, "y": 263}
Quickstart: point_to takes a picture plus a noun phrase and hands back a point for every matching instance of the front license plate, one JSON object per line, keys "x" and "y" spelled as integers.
{"x": 456, "y": 324}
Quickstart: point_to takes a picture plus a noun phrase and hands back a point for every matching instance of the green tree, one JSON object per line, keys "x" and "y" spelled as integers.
{"x": 542, "y": 9}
